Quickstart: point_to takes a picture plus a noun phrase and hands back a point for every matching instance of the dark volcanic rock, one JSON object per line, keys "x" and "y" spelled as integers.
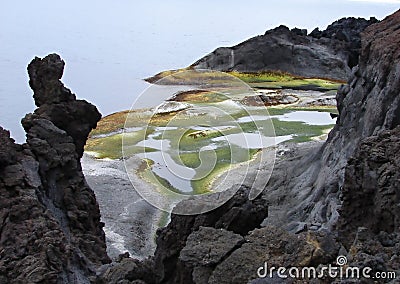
{"x": 50, "y": 221}
{"x": 371, "y": 187}
{"x": 352, "y": 181}
{"x": 368, "y": 105}
{"x": 239, "y": 215}
{"x": 56, "y": 102}
{"x": 8, "y": 151}
{"x": 208, "y": 246}
{"x": 219, "y": 256}
{"x": 348, "y": 30}
{"x": 269, "y": 244}
{"x": 45, "y": 75}
{"x": 328, "y": 54}
{"x": 204, "y": 250}
{"x": 128, "y": 270}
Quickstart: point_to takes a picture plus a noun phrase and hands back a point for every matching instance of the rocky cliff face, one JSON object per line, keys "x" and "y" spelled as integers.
{"x": 371, "y": 187}
{"x": 50, "y": 221}
{"x": 348, "y": 30}
{"x": 368, "y": 105}
{"x": 328, "y": 54}
{"x": 349, "y": 187}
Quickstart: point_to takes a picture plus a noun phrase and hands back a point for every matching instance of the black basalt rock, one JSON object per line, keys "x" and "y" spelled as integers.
{"x": 323, "y": 54}
{"x": 50, "y": 229}
{"x": 57, "y": 103}
{"x": 44, "y": 76}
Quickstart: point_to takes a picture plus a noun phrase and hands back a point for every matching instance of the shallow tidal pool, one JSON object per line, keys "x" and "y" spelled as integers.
{"x": 188, "y": 154}
{"x": 184, "y": 146}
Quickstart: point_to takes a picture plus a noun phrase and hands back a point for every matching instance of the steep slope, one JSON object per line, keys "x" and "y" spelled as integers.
{"x": 368, "y": 105}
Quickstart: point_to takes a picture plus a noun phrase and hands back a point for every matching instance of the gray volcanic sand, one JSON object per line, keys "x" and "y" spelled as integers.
{"x": 130, "y": 222}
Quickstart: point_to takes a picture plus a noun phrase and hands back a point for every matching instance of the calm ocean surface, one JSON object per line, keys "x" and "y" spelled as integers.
{"x": 109, "y": 46}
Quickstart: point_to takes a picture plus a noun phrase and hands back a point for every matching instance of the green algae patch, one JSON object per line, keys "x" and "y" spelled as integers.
{"x": 190, "y": 76}
{"x": 281, "y": 80}
{"x": 119, "y": 121}
{"x": 261, "y": 80}
{"x": 111, "y": 146}
{"x": 154, "y": 79}
{"x": 110, "y": 123}
{"x": 144, "y": 171}
{"x": 256, "y": 77}
{"x": 163, "y": 119}
{"x": 217, "y": 159}
{"x": 205, "y": 184}
{"x": 298, "y": 84}
{"x": 225, "y": 157}
{"x": 190, "y": 139}
{"x": 283, "y": 110}
{"x": 199, "y": 96}
{"x": 300, "y": 131}
{"x": 115, "y": 123}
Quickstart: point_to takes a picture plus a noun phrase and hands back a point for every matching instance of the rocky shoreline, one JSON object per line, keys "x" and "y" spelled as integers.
{"x": 319, "y": 195}
{"x": 323, "y": 200}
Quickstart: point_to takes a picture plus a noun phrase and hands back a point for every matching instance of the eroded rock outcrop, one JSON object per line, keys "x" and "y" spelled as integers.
{"x": 328, "y": 54}
{"x": 348, "y": 30}
{"x": 350, "y": 186}
{"x": 50, "y": 221}
{"x": 238, "y": 215}
{"x": 371, "y": 187}
{"x": 368, "y": 105}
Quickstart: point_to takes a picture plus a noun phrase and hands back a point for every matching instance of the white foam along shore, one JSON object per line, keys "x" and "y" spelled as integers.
{"x": 130, "y": 222}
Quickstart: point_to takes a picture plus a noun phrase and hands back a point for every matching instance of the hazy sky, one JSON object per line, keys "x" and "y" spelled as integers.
{"x": 109, "y": 45}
